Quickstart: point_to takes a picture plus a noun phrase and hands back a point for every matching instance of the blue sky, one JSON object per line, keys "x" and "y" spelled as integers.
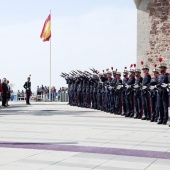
{"x": 85, "y": 33}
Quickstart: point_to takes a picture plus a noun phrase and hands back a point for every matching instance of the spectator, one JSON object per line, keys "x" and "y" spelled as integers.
{"x": 22, "y": 95}
{"x": 12, "y": 95}
{"x": 4, "y": 92}
{"x": 0, "y": 89}
{"x": 18, "y": 95}
{"x": 55, "y": 93}
{"x": 48, "y": 92}
{"x": 45, "y": 93}
{"x": 42, "y": 90}
{"x": 8, "y": 93}
{"x": 59, "y": 94}
{"x": 38, "y": 91}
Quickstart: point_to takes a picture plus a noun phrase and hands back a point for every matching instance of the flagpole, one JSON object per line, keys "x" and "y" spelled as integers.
{"x": 50, "y": 66}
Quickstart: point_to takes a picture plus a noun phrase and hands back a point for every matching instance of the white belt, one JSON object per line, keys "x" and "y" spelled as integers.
{"x": 110, "y": 87}
{"x": 136, "y": 86}
{"x": 152, "y": 87}
{"x": 164, "y": 85}
{"x": 144, "y": 87}
{"x": 128, "y": 86}
{"x": 119, "y": 87}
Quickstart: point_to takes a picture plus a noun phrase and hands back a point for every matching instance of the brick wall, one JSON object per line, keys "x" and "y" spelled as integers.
{"x": 153, "y": 31}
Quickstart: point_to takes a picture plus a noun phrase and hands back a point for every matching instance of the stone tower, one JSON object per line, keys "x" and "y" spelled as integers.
{"x": 153, "y": 31}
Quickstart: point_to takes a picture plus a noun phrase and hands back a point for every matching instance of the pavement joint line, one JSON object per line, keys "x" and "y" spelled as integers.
{"x": 104, "y": 162}
{"x": 20, "y": 159}
{"x": 59, "y": 161}
{"x": 150, "y": 164}
{"x": 149, "y": 139}
{"x": 117, "y": 138}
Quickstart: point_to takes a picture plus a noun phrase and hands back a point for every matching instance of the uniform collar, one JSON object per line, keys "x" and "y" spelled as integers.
{"x": 138, "y": 77}
{"x": 164, "y": 73}
{"x": 132, "y": 77}
{"x": 147, "y": 74}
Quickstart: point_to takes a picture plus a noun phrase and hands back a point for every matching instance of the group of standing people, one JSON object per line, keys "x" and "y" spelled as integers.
{"x": 141, "y": 97}
{"x": 43, "y": 91}
{"x": 5, "y": 91}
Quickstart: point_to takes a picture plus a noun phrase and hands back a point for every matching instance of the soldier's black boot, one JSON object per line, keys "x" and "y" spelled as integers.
{"x": 131, "y": 115}
{"x": 148, "y": 118}
{"x": 144, "y": 118}
{"x": 152, "y": 120}
{"x": 164, "y": 122}
{"x": 160, "y": 122}
{"x": 123, "y": 114}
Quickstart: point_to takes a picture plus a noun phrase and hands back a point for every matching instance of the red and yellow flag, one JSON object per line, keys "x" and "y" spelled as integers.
{"x": 46, "y": 31}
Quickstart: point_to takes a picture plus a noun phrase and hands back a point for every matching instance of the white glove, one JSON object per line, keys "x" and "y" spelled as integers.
{"x": 136, "y": 86}
{"x": 164, "y": 85}
{"x": 119, "y": 87}
{"x": 152, "y": 87}
{"x": 110, "y": 88}
{"x": 144, "y": 87}
{"x": 127, "y": 86}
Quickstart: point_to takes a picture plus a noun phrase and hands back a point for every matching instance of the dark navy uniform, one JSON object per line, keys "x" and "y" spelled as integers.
{"x": 153, "y": 99}
{"x": 79, "y": 92}
{"x": 4, "y": 93}
{"x": 27, "y": 87}
{"x": 124, "y": 82}
{"x": 145, "y": 97}
{"x": 104, "y": 80}
{"x": 95, "y": 84}
{"x": 107, "y": 95}
{"x": 99, "y": 96}
{"x": 138, "y": 97}
{"x": 112, "y": 96}
{"x": 118, "y": 98}
{"x": 129, "y": 96}
{"x": 162, "y": 98}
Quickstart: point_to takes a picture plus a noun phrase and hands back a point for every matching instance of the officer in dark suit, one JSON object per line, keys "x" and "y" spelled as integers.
{"x": 68, "y": 81}
{"x": 27, "y": 87}
{"x": 79, "y": 91}
{"x": 104, "y": 80}
{"x": 129, "y": 93}
{"x": 99, "y": 92}
{"x": 113, "y": 91}
{"x": 117, "y": 93}
{"x": 145, "y": 94}
{"x": 153, "y": 96}
{"x": 162, "y": 96}
{"x": 4, "y": 92}
{"x": 108, "y": 88}
{"x": 95, "y": 84}
{"x": 124, "y": 82}
{"x": 137, "y": 94}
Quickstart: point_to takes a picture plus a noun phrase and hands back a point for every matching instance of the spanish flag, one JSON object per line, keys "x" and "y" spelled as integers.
{"x": 46, "y": 31}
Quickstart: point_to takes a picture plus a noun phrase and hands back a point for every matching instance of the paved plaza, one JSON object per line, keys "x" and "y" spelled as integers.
{"x": 56, "y": 136}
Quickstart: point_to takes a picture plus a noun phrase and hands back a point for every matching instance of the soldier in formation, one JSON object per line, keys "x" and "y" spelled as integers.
{"x": 133, "y": 96}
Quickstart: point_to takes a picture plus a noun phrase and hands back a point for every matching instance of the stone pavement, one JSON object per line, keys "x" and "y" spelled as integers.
{"x": 55, "y": 136}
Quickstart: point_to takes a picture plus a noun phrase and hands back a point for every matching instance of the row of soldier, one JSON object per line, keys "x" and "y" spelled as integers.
{"x": 135, "y": 96}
